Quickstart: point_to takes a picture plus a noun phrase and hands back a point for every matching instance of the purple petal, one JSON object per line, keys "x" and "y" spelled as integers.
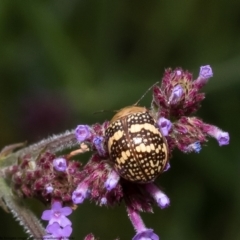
{"x": 60, "y": 164}
{"x": 165, "y": 125}
{"x": 79, "y": 195}
{"x": 148, "y": 234}
{"x": 66, "y": 211}
{"x": 57, "y": 231}
{"x": 160, "y": 197}
{"x": 206, "y": 72}
{"x": 66, "y": 231}
{"x": 111, "y": 181}
{"x": 82, "y": 132}
{"x": 204, "y": 75}
{"x": 176, "y": 94}
{"x": 52, "y": 228}
{"x": 223, "y": 138}
{"x": 46, "y": 215}
{"x": 56, "y": 206}
{"x": 62, "y": 221}
{"x": 163, "y": 201}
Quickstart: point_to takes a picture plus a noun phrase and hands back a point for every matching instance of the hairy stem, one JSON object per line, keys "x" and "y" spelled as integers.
{"x": 21, "y": 213}
{"x": 53, "y": 144}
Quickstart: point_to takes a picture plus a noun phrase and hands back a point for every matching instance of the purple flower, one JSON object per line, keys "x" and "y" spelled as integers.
{"x": 58, "y": 232}
{"x": 82, "y": 132}
{"x": 205, "y": 72}
{"x": 57, "y": 214}
{"x": 165, "y": 125}
{"x": 147, "y": 234}
{"x": 160, "y": 197}
{"x": 176, "y": 94}
{"x": 222, "y": 137}
{"x": 81, "y": 192}
{"x": 60, "y": 164}
{"x": 112, "y": 181}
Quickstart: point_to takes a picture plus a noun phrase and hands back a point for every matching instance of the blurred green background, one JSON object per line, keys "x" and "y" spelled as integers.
{"x": 61, "y": 61}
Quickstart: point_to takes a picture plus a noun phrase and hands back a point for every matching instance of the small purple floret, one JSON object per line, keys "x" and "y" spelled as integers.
{"x": 223, "y": 138}
{"x": 80, "y": 194}
{"x": 160, "y": 197}
{"x": 147, "y": 234}
{"x": 57, "y": 214}
{"x": 205, "y": 72}
{"x": 176, "y": 95}
{"x": 204, "y": 75}
{"x": 60, "y": 164}
{"x": 82, "y": 132}
{"x": 163, "y": 201}
{"x": 165, "y": 125}
{"x": 112, "y": 181}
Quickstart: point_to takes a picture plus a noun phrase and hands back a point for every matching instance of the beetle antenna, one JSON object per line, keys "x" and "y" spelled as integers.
{"x": 145, "y": 94}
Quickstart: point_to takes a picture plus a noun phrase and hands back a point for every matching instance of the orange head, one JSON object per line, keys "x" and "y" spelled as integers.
{"x": 126, "y": 111}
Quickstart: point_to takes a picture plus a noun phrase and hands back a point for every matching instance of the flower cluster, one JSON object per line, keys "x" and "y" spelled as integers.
{"x": 174, "y": 102}
{"x": 45, "y": 177}
{"x": 61, "y": 181}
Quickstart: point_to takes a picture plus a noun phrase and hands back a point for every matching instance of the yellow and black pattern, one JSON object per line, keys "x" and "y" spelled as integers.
{"x": 137, "y": 147}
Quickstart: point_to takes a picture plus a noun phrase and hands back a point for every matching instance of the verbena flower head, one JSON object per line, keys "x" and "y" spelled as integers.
{"x": 63, "y": 182}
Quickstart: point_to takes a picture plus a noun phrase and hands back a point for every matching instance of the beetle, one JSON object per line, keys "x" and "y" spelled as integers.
{"x": 136, "y": 146}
